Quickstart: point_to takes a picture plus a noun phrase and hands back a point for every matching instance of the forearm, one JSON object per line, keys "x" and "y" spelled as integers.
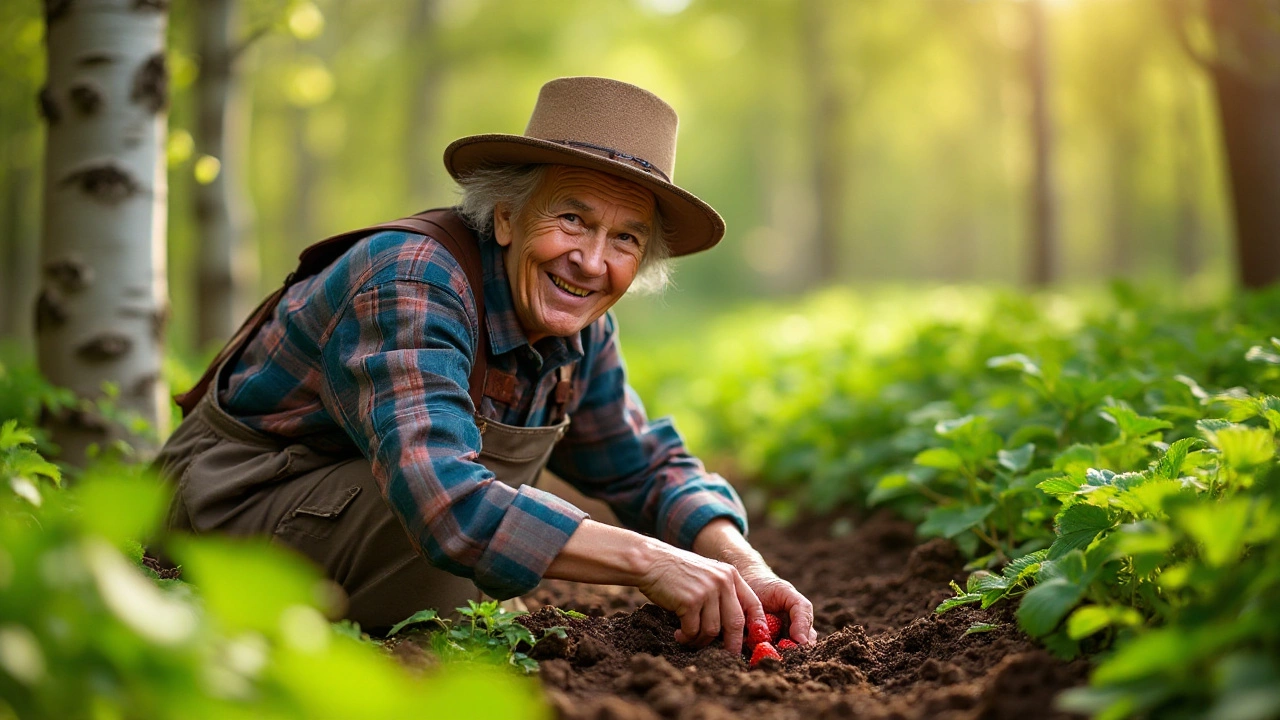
{"x": 603, "y": 554}
{"x": 721, "y": 540}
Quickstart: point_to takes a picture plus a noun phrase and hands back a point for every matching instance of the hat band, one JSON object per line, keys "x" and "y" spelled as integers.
{"x": 615, "y": 155}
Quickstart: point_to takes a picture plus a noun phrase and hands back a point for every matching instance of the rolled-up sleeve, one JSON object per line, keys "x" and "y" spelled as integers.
{"x": 396, "y": 365}
{"x": 640, "y": 468}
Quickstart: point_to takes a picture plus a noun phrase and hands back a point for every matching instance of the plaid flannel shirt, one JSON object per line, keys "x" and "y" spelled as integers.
{"x": 376, "y": 350}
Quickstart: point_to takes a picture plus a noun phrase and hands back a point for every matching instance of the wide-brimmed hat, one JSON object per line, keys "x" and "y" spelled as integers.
{"x": 605, "y": 125}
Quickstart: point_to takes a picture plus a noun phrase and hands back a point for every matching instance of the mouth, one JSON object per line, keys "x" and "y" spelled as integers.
{"x": 567, "y": 288}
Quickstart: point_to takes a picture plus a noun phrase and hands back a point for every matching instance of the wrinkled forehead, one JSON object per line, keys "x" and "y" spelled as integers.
{"x": 593, "y": 191}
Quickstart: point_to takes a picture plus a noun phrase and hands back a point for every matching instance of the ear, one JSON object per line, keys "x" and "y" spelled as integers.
{"x": 502, "y": 224}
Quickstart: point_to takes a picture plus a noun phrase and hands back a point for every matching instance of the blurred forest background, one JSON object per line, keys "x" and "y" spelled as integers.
{"x": 856, "y": 142}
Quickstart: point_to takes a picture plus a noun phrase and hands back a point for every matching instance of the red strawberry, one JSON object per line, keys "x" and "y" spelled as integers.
{"x": 787, "y": 644}
{"x": 775, "y": 625}
{"x": 757, "y": 633}
{"x": 762, "y": 651}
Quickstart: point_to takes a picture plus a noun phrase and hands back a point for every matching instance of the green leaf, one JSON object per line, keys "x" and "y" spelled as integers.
{"x": 1017, "y": 460}
{"x": 571, "y": 614}
{"x": 980, "y": 628}
{"x": 983, "y": 581}
{"x": 1016, "y": 361}
{"x": 957, "y": 601}
{"x": 1077, "y": 457}
{"x": 1244, "y": 447}
{"x": 25, "y": 462}
{"x": 12, "y": 436}
{"x": 1091, "y": 619}
{"x": 1146, "y": 501}
{"x": 1219, "y": 528}
{"x": 1086, "y": 621}
{"x": 1077, "y": 526}
{"x": 1059, "y": 486}
{"x": 1259, "y": 354}
{"x": 250, "y": 584}
{"x": 951, "y": 520}
{"x": 1131, "y": 424}
{"x": 947, "y": 428}
{"x": 961, "y": 598}
{"x": 1061, "y": 584}
{"x": 422, "y": 616}
{"x": 1024, "y": 567}
{"x": 1250, "y": 687}
{"x": 122, "y": 504}
{"x": 1100, "y": 478}
{"x": 1044, "y": 605}
{"x": 940, "y": 458}
{"x": 1170, "y": 463}
{"x": 1146, "y": 655}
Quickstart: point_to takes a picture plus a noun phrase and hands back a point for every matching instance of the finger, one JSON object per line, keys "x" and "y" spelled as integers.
{"x": 751, "y": 606}
{"x": 710, "y": 627}
{"x": 734, "y": 621}
{"x": 801, "y": 612}
{"x": 813, "y": 636}
{"x": 690, "y": 621}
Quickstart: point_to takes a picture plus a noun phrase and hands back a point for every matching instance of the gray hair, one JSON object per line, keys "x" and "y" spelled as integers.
{"x": 489, "y": 186}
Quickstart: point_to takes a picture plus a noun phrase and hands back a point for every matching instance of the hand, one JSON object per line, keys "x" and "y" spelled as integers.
{"x": 781, "y": 597}
{"x": 721, "y": 539}
{"x": 709, "y": 596}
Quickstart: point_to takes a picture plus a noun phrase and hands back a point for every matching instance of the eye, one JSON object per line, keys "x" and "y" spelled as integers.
{"x": 571, "y": 217}
{"x": 629, "y": 238}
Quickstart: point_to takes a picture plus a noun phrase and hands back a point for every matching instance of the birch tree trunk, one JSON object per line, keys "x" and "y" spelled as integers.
{"x": 226, "y": 276}
{"x": 102, "y": 307}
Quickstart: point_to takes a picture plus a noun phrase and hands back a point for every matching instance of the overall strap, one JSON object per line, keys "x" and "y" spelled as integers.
{"x": 442, "y": 224}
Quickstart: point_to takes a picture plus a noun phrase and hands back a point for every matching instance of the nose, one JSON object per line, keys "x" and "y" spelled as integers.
{"x": 590, "y": 255}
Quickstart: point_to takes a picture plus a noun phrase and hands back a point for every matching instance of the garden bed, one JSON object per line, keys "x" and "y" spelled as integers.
{"x": 881, "y": 652}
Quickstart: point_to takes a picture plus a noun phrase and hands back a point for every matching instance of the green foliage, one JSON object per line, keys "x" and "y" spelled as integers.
{"x": 86, "y": 632}
{"x": 486, "y": 634}
{"x": 1111, "y": 469}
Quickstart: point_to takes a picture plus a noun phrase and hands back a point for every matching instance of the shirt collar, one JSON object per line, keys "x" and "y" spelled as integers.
{"x": 505, "y": 333}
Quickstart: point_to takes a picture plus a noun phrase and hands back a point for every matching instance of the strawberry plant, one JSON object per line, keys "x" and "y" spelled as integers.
{"x": 1107, "y": 464}
{"x": 85, "y": 631}
{"x": 486, "y": 633}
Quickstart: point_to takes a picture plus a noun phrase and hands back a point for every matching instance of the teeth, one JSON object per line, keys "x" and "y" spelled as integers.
{"x": 571, "y": 289}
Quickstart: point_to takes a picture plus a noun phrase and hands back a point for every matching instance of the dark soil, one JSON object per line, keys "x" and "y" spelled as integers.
{"x": 881, "y": 652}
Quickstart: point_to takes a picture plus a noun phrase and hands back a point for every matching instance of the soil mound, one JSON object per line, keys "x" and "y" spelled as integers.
{"x": 881, "y": 652}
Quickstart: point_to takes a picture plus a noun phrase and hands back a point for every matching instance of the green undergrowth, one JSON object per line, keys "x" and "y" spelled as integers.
{"x": 484, "y": 633}
{"x": 1108, "y": 462}
{"x": 86, "y": 631}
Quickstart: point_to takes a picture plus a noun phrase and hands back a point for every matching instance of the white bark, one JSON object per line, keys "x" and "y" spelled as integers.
{"x": 227, "y": 270}
{"x": 103, "y": 300}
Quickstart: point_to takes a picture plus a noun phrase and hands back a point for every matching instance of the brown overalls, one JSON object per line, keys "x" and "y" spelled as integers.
{"x": 232, "y": 479}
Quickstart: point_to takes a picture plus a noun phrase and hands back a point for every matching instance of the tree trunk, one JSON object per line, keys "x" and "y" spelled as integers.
{"x": 1186, "y": 239}
{"x": 19, "y": 271}
{"x": 226, "y": 271}
{"x": 1044, "y": 236}
{"x": 828, "y": 147}
{"x": 1122, "y": 159}
{"x": 1246, "y": 77}
{"x": 426, "y": 75}
{"x": 102, "y": 306}
{"x": 301, "y": 220}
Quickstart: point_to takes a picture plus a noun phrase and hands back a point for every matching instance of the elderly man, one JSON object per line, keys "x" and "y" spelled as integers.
{"x": 389, "y": 409}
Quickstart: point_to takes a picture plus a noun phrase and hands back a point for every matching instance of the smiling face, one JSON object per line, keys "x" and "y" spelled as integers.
{"x": 574, "y": 250}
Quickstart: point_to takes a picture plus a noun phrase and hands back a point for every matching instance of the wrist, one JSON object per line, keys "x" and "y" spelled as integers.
{"x": 721, "y": 540}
